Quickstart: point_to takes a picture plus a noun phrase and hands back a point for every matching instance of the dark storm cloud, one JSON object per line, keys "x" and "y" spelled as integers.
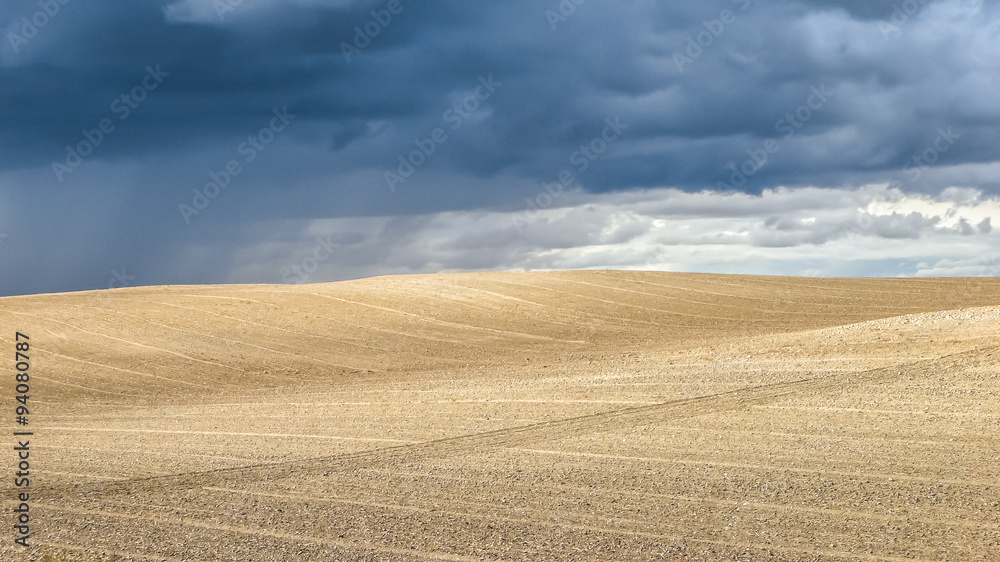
{"x": 703, "y": 91}
{"x": 559, "y": 84}
{"x": 861, "y": 9}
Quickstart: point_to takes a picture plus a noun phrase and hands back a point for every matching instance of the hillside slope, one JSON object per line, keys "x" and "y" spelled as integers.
{"x": 570, "y": 415}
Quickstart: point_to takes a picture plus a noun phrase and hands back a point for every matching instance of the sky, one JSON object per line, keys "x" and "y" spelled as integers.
{"x": 298, "y": 141}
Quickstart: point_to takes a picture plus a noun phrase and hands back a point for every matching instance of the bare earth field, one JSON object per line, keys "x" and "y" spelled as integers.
{"x": 512, "y": 416}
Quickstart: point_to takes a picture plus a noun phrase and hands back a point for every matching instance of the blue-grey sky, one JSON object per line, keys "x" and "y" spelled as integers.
{"x": 269, "y": 141}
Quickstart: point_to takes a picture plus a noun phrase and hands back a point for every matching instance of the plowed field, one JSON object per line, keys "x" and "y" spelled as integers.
{"x": 512, "y": 416}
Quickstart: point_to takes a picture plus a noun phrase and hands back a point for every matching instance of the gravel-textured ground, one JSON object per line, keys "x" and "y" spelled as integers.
{"x": 514, "y": 416}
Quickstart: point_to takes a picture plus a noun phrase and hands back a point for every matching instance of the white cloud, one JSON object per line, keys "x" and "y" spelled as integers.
{"x": 982, "y": 266}
{"x": 871, "y": 230}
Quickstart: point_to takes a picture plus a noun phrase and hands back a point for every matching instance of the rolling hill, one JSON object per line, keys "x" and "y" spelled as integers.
{"x": 577, "y": 415}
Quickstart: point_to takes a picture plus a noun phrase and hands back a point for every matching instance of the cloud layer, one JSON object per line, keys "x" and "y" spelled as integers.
{"x": 872, "y": 230}
{"x": 476, "y": 107}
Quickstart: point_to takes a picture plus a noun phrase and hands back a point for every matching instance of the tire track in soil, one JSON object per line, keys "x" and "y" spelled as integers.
{"x": 592, "y": 525}
{"x": 88, "y": 388}
{"x": 639, "y": 306}
{"x": 132, "y": 452}
{"x": 199, "y": 336}
{"x": 588, "y": 524}
{"x": 477, "y": 443}
{"x": 272, "y": 327}
{"x": 361, "y": 493}
{"x": 230, "y": 433}
{"x": 127, "y": 341}
{"x": 591, "y": 492}
{"x": 766, "y": 468}
{"x": 122, "y": 369}
{"x": 84, "y": 550}
{"x": 256, "y": 531}
{"x": 460, "y": 326}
